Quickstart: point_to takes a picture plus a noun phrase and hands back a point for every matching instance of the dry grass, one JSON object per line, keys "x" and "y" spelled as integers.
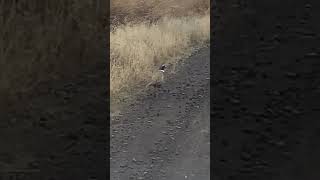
{"x": 147, "y": 33}
{"x": 45, "y": 40}
{"x": 138, "y": 49}
{"x": 123, "y": 11}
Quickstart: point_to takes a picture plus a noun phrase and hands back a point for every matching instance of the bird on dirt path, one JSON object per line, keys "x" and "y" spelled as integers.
{"x": 158, "y": 78}
{"x": 162, "y": 68}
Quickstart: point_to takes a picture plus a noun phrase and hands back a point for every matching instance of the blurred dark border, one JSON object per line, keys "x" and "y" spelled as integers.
{"x": 54, "y": 124}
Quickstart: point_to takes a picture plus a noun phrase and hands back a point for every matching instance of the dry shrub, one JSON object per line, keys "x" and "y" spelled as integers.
{"x": 147, "y": 33}
{"x": 137, "y": 50}
{"x": 45, "y": 40}
{"x": 123, "y": 11}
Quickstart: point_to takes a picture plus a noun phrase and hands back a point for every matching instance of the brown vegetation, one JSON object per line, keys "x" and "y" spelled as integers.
{"x": 146, "y": 34}
{"x": 123, "y": 11}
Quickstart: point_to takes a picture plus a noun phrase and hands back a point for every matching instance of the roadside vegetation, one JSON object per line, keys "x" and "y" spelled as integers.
{"x": 146, "y": 34}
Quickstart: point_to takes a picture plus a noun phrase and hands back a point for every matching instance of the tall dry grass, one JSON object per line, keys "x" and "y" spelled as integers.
{"x": 45, "y": 40}
{"x": 137, "y": 49}
{"x": 123, "y": 11}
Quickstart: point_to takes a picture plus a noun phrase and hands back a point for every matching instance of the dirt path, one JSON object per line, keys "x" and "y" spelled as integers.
{"x": 266, "y": 90}
{"x": 165, "y": 134}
